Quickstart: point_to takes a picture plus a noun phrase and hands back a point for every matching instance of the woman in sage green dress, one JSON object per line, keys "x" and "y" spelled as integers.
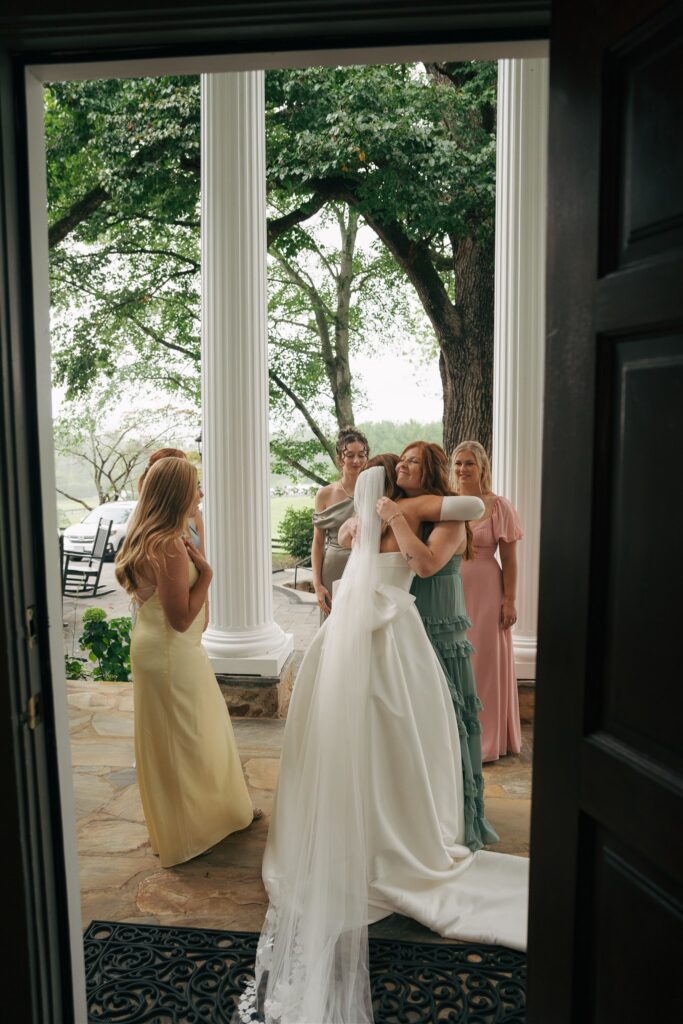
{"x": 422, "y": 469}
{"x": 333, "y": 506}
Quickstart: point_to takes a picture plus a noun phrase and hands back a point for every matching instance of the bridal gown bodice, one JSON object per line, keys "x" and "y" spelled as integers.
{"x": 418, "y": 863}
{"x": 393, "y": 570}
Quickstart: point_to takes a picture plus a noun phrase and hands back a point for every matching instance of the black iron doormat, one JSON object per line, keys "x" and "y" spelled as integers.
{"x": 145, "y": 974}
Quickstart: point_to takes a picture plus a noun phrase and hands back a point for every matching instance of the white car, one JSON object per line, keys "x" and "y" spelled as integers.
{"x": 78, "y": 539}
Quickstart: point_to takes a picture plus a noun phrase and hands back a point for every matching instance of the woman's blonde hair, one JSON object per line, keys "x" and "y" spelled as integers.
{"x": 160, "y": 453}
{"x": 160, "y": 517}
{"x": 482, "y": 461}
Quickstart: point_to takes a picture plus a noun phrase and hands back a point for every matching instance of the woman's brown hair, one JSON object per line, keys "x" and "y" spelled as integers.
{"x": 161, "y": 453}
{"x": 387, "y": 460}
{"x": 434, "y": 479}
{"x": 346, "y": 437}
{"x": 160, "y": 517}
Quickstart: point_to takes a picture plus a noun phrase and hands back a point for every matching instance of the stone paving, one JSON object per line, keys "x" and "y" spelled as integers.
{"x": 121, "y": 879}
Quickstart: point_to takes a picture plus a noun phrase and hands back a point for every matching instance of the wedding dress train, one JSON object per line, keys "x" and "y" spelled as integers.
{"x": 418, "y": 864}
{"x": 368, "y": 818}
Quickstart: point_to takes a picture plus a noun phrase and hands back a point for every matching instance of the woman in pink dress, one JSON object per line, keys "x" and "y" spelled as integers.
{"x": 490, "y": 594}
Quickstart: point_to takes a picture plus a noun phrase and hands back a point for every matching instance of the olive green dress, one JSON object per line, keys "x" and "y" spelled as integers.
{"x": 440, "y": 602}
{"x": 335, "y": 557}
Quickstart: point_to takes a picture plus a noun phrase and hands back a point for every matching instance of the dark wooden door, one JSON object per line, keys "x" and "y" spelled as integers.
{"x": 606, "y": 913}
{"x": 36, "y": 958}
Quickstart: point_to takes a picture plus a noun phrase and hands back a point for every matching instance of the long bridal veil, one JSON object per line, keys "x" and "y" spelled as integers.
{"x": 312, "y": 958}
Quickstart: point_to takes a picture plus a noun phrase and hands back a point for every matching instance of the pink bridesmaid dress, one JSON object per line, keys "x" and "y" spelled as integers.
{"x": 493, "y": 659}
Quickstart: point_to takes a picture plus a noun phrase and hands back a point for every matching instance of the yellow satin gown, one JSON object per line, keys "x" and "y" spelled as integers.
{"x": 189, "y": 772}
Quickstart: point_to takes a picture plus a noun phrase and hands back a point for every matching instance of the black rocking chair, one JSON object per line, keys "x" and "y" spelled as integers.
{"x": 78, "y": 581}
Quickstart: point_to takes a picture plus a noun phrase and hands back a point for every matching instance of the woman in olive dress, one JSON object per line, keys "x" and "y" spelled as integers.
{"x": 333, "y": 506}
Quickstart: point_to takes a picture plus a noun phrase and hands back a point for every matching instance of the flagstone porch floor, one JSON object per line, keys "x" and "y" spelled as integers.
{"x": 120, "y": 877}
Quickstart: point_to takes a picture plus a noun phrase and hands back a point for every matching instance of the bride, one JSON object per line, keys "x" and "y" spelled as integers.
{"x": 369, "y": 813}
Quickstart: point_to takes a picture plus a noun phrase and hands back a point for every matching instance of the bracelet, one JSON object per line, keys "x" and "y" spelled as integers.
{"x": 395, "y": 516}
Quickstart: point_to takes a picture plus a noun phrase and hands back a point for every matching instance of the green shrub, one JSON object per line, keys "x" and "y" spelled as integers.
{"x": 296, "y": 531}
{"x": 94, "y": 615}
{"x": 108, "y": 644}
{"x": 73, "y": 668}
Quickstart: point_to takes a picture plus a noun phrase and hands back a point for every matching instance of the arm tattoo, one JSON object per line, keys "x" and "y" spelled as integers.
{"x": 407, "y": 556}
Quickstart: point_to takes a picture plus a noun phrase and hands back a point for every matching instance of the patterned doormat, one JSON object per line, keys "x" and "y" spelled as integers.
{"x": 145, "y": 973}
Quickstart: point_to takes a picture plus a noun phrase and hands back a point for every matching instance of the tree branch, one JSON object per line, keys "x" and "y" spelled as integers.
{"x": 72, "y": 498}
{"x": 280, "y": 225}
{"x": 78, "y": 212}
{"x": 413, "y": 257}
{"x": 441, "y": 262}
{"x": 299, "y": 466}
{"x": 161, "y": 340}
{"x": 304, "y": 412}
{"x": 153, "y": 252}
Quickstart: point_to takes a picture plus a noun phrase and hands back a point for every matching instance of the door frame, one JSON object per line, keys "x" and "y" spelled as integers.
{"x": 80, "y": 47}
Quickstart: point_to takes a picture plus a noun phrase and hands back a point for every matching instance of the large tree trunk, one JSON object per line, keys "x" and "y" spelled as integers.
{"x": 338, "y": 367}
{"x": 464, "y": 328}
{"x": 466, "y": 359}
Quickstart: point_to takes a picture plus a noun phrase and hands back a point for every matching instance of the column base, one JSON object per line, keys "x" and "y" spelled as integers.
{"x": 526, "y": 692}
{"x": 259, "y": 696}
{"x": 525, "y": 656}
{"x": 268, "y": 663}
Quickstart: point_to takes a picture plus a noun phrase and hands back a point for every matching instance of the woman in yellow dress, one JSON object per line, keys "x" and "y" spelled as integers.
{"x": 189, "y": 772}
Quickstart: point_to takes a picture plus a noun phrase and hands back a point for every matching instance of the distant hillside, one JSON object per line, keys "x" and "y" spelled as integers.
{"x": 386, "y": 436}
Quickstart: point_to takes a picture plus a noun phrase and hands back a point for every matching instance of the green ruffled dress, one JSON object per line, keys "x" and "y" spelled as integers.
{"x": 440, "y": 602}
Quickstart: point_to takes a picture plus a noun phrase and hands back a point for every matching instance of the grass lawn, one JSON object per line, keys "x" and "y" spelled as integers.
{"x": 278, "y": 507}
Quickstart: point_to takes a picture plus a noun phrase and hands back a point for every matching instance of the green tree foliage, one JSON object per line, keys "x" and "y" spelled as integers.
{"x": 326, "y": 303}
{"x": 410, "y": 150}
{"x": 123, "y": 192}
{"x": 387, "y": 436}
{"x": 413, "y": 150}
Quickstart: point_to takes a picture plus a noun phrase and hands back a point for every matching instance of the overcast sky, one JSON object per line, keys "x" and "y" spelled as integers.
{"x": 399, "y": 390}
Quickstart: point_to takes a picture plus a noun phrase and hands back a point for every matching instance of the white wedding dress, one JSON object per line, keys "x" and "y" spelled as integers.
{"x": 368, "y": 818}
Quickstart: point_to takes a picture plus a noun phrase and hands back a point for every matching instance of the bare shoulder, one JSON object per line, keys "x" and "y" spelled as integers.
{"x": 172, "y": 556}
{"x": 324, "y": 497}
{"x": 174, "y": 548}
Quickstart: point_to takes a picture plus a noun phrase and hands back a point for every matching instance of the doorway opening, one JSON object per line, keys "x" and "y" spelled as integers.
{"x": 104, "y": 825}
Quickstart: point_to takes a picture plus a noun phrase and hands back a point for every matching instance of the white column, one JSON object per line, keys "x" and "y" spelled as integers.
{"x": 521, "y": 195}
{"x": 242, "y": 637}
